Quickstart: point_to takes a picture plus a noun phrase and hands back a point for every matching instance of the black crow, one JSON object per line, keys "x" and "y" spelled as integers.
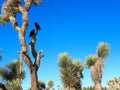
{"x": 37, "y": 26}
{"x": 32, "y": 33}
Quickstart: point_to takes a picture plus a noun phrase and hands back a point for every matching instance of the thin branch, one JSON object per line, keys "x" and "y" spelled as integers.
{"x": 36, "y": 55}
{"x": 14, "y": 23}
{"x": 32, "y": 47}
{"x": 27, "y": 4}
{"x": 38, "y": 58}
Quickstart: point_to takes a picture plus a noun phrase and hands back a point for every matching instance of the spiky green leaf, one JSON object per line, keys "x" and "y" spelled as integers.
{"x": 103, "y": 50}
{"x": 90, "y": 60}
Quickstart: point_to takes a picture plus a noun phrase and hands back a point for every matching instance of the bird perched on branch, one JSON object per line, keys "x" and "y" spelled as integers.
{"x": 32, "y": 33}
{"x": 37, "y": 26}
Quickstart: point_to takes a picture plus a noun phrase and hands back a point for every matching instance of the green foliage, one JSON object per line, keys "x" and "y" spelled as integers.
{"x": 114, "y": 84}
{"x": 3, "y": 20}
{"x": 12, "y": 71}
{"x": 64, "y": 60}
{"x": 11, "y": 7}
{"x": 97, "y": 63}
{"x": 90, "y": 60}
{"x": 36, "y": 2}
{"x": 71, "y": 71}
{"x": 50, "y": 84}
{"x": 103, "y": 50}
{"x": 41, "y": 84}
{"x": 89, "y": 88}
{"x": 14, "y": 85}
{"x": 11, "y": 75}
{"x": 78, "y": 65}
{"x": 93, "y": 88}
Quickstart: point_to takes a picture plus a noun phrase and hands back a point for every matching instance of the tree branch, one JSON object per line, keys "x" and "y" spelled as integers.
{"x": 32, "y": 47}
{"x": 14, "y": 23}
{"x": 37, "y": 61}
{"x": 36, "y": 55}
{"x": 24, "y": 19}
{"x": 27, "y": 4}
{"x": 27, "y": 59}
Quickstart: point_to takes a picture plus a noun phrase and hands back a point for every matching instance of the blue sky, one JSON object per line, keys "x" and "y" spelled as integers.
{"x": 73, "y": 26}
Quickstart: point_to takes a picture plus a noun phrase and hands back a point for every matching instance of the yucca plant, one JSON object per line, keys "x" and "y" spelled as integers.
{"x": 10, "y": 9}
{"x": 71, "y": 72}
{"x": 91, "y": 60}
{"x": 103, "y": 50}
{"x": 96, "y": 64}
{"x": 12, "y": 75}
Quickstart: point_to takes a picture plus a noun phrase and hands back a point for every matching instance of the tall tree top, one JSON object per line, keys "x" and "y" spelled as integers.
{"x": 12, "y": 7}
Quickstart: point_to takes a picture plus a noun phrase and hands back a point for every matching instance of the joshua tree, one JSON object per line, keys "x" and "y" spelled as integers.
{"x": 114, "y": 84}
{"x": 50, "y": 84}
{"x": 71, "y": 72}
{"x": 96, "y": 64}
{"x": 11, "y": 76}
{"x": 10, "y": 9}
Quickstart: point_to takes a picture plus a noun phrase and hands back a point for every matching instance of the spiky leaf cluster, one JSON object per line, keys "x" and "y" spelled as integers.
{"x": 36, "y": 2}
{"x": 41, "y": 84}
{"x": 14, "y": 85}
{"x": 12, "y": 72}
{"x": 71, "y": 71}
{"x": 103, "y": 50}
{"x": 50, "y": 84}
{"x": 114, "y": 84}
{"x": 90, "y": 60}
{"x": 3, "y": 19}
{"x": 64, "y": 60}
{"x": 11, "y": 7}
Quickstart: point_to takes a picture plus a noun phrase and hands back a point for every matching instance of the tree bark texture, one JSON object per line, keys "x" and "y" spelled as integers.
{"x": 98, "y": 86}
{"x": 34, "y": 79}
{"x": 96, "y": 74}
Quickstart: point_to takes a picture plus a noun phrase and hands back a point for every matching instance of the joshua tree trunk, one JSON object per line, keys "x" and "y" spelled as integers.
{"x": 96, "y": 74}
{"x": 13, "y": 5}
{"x": 98, "y": 86}
{"x": 34, "y": 79}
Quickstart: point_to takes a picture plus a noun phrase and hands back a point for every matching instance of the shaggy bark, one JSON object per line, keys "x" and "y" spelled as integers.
{"x": 96, "y": 74}
{"x": 98, "y": 86}
{"x": 33, "y": 67}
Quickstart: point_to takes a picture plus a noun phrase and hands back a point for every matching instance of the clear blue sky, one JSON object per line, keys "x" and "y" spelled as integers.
{"x": 73, "y": 26}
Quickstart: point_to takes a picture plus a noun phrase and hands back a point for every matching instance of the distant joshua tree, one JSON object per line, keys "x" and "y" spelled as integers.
{"x": 11, "y": 76}
{"x": 50, "y": 84}
{"x": 71, "y": 72}
{"x": 96, "y": 64}
{"x": 114, "y": 84}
